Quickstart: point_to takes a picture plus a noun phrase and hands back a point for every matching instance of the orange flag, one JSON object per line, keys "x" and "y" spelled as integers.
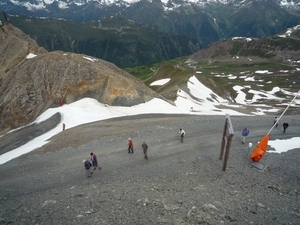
{"x": 262, "y": 146}
{"x": 260, "y": 149}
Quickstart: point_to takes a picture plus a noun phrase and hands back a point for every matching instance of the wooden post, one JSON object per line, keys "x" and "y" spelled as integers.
{"x": 227, "y": 153}
{"x": 223, "y": 140}
{"x": 226, "y": 141}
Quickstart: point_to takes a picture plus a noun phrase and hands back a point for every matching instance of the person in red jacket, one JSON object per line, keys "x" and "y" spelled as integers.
{"x": 130, "y": 145}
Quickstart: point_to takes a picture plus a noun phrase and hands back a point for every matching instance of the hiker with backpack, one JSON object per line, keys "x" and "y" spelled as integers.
{"x": 245, "y": 133}
{"x": 87, "y": 165}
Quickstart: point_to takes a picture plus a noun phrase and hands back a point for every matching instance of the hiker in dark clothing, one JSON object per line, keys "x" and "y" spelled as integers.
{"x": 145, "y": 148}
{"x": 285, "y": 126}
{"x": 87, "y": 165}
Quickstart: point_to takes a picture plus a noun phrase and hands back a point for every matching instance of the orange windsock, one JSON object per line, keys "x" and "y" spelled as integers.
{"x": 260, "y": 149}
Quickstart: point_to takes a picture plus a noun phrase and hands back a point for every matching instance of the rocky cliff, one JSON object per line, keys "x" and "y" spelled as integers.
{"x": 32, "y": 80}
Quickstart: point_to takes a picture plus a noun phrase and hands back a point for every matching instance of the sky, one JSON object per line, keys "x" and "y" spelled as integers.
{"x": 199, "y": 100}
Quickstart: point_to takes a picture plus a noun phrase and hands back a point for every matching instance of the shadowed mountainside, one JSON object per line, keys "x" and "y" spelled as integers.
{"x": 114, "y": 39}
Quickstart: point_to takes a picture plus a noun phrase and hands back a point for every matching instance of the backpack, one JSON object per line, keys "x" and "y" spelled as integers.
{"x": 87, "y": 164}
{"x": 245, "y": 132}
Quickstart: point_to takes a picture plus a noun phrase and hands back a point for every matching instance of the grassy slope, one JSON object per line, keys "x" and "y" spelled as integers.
{"x": 215, "y": 76}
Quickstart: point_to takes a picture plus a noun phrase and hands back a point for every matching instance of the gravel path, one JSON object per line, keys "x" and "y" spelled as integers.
{"x": 181, "y": 183}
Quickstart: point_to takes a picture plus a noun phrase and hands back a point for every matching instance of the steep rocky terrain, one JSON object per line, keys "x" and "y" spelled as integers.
{"x": 30, "y": 85}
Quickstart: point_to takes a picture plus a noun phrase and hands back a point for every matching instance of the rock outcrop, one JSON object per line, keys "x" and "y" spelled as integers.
{"x": 32, "y": 80}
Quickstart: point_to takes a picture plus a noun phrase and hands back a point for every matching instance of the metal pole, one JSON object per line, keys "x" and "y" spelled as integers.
{"x": 249, "y": 146}
{"x": 283, "y": 113}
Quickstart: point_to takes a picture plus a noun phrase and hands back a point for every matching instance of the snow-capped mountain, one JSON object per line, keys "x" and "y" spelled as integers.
{"x": 206, "y": 20}
{"x": 36, "y": 5}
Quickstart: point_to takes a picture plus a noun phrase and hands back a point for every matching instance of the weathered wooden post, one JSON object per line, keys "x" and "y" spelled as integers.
{"x": 228, "y": 133}
{"x": 223, "y": 140}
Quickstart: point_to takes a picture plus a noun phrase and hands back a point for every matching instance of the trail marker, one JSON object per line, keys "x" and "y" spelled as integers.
{"x": 228, "y": 133}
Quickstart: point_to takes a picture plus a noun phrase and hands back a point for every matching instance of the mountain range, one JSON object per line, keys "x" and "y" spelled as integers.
{"x": 33, "y": 79}
{"x": 206, "y": 20}
{"x": 115, "y": 39}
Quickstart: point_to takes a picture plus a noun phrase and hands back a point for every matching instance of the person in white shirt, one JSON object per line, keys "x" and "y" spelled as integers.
{"x": 275, "y": 121}
{"x": 182, "y": 134}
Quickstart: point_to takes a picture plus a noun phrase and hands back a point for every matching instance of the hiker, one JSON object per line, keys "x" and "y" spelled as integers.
{"x": 182, "y": 134}
{"x": 94, "y": 161}
{"x": 130, "y": 145}
{"x": 145, "y": 148}
{"x": 275, "y": 121}
{"x": 245, "y": 133}
{"x": 87, "y": 165}
{"x": 285, "y": 126}
{"x": 63, "y": 126}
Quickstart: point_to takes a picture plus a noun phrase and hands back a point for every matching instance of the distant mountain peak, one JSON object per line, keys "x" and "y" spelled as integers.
{"x": 205, "y": 20}
{"x": 65, "y": 4}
